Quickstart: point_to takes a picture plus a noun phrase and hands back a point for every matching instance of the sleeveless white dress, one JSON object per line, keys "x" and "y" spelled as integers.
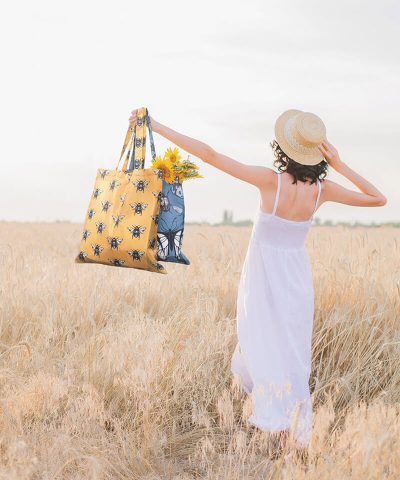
{"x": 275, "y": 309}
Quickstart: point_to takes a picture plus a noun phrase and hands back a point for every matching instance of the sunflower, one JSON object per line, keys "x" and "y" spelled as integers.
{"x": 166, "y": 167}
{"x": 172, "y": 155}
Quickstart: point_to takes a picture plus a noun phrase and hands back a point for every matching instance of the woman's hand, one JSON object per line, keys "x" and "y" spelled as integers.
{"x": 133, "y": 120}
{"x": 330, "y": 154}
{"x": 133, "y": 117}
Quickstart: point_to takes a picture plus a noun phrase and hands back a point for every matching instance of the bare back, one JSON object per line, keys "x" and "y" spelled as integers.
{"x": 297, "y": 202}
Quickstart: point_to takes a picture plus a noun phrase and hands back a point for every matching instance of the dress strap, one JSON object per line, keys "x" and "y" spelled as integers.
{"x": 277, "y": 194}
{"x": 316, "y": 202}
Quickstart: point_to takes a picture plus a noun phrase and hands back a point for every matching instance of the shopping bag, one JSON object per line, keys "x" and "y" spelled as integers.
{"x": 120, "y": 227}
{"x": 171, "y": 219}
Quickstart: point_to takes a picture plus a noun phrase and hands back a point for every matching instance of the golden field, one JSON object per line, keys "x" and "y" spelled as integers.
{"x": 117, "y": 373}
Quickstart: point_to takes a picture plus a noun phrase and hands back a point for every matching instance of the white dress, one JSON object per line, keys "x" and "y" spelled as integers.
{"x": 275, "y": 309}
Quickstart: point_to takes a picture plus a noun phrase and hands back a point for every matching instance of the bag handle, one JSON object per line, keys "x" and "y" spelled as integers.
{"x": 137, "y": 151}
{"x": 128, "y": 137}
{"x": 134, "y": 164}
{"x": 139, "y": 143}
{"x": 136, "y": 137}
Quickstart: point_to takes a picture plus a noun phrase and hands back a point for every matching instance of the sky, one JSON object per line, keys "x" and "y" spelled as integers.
{"x": 219, "y": 71}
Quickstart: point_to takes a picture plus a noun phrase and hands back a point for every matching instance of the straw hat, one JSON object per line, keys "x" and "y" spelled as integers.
{"x": 299, "y": 134}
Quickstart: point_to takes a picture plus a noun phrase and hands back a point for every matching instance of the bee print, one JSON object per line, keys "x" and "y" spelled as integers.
{"x": 165, "y": 203}
{"x": 82, "y": 255}
{"x": 106, "y": 205}
{"x": 122, "y": 198}
{"x": 157, "y": 265}
{"x": 114, "y": 242}
{"x": 158, "y": 172}
{"x": 136, "y": 254}
{"x": 139, "y": 121}
{"x": 158, "y": 195}
{"x": 91, "y": 212}
{"x": 97, "y": 249}
{"x": 136, "y": 230}
{"x": 138, "y": 207}
{"x": 97, "y": 192}
{"x": 100, "y": 227}
{"x": 117, "y": 219}
{"x": 85, "y": 234}
{"x": 114, "y": 183}
{"x": 140, "y": 185}
{"x": 140, "y": 142}
{"x": 116, "y": 262}
{"x": 103, "y": 173}
{"x": 152, "y": 243}
{"x": 139, "y": 163}
{"x": 177, "y": 189}
{"x": 155, "y": 218}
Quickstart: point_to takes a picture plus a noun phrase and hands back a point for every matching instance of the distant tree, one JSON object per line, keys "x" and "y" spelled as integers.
{"x": 227, "y": 217}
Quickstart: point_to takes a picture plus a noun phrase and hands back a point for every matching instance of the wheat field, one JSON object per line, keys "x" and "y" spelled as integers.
{"x": 116, "y": 373}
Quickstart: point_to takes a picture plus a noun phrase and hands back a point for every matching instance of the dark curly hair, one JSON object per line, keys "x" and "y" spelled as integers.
{"x": 297, "y": 170}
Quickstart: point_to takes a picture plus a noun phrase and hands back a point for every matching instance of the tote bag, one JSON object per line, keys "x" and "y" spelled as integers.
{"x": 171, "y": 219}
{"x": 120, "y": 227}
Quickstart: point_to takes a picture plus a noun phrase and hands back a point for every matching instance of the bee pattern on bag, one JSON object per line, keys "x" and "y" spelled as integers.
{"x": 157, "y": 265}
{"x": 136, "y": 254}
{"x": 106, "y": 205}
{"x": 114, "y": 183}
{"x": 103, "y": 173}
{"x": 117, "y": 219}
{"x": 116, "y": 262}
{"x": 122, "y": 198}
{"x": 158, "y": 195}
{"x": 100, "y": 227}
{"x": 97, "y": 249}
{"x": 140, "y": 185}
{"x": 91, "y": 212}
{"x": 85, "y": 234}
{"x": 158, "y": 172}
{"x": 114, "y": 242}
{"x": 140, "y": 121}
{"x": 82, "y": 255}
{"x": 165, "y": 203}
{"x": 139, "y": 163}
{"x": 97, "y": 192}
{"x": 152, "y": 243}
{"x": 177, "y": 188}
{"x": 155, "y": 218}
{"x": 140, "y": 142}
{"x": 138, "y": 207}
{"x": 136, "y": 230}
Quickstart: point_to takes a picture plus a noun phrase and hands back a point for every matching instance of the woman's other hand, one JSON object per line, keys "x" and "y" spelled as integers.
{"x": 330, "y": 154}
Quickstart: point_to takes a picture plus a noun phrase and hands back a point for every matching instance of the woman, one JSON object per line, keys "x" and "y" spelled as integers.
{"x": 275, "y": 303}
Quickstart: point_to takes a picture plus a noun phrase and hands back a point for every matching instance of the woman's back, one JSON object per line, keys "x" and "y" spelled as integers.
{"x": 296, "y": 202}
{"x": 278, "y": 232}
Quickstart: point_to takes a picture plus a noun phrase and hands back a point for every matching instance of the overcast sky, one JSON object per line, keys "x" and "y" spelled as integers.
{"x": 220, "y": 71}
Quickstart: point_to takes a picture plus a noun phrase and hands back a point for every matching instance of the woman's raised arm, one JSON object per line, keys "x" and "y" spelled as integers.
{"x": 369, "y": 196}
{"x": 254, "y": 174}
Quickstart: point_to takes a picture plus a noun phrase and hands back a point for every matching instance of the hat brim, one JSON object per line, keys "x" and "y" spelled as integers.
{"x": 315, "y": 155}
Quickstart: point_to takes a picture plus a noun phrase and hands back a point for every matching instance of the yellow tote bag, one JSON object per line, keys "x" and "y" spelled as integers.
{"x": 120, "y": 227}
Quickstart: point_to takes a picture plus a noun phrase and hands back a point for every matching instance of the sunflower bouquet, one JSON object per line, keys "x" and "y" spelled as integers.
{"x": 174, "y": 168}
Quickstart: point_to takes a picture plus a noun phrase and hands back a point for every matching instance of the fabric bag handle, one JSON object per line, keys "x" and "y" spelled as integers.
{"x": 139, "y": 144}
{"x": 136, "y": 138}
{"x": 128, "y": 138}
